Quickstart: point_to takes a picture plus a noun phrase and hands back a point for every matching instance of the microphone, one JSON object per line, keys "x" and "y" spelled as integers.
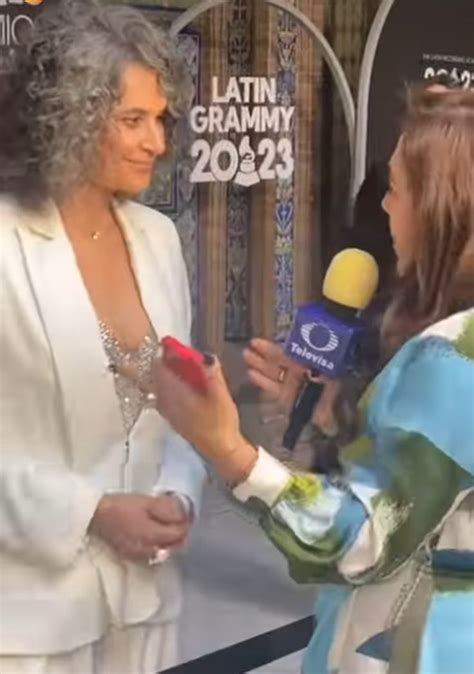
{"x": 325, "y": 335}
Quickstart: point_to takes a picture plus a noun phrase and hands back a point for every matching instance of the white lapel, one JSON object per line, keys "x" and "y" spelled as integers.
{"x": 91, "y": 407}
{"x": 150, "y": 268}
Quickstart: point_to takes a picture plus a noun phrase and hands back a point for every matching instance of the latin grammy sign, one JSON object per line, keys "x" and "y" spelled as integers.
{"x": 257, "y": 144}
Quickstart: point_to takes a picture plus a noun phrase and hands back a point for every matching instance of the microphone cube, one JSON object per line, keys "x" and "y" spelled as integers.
{"x": 322, "y": 342}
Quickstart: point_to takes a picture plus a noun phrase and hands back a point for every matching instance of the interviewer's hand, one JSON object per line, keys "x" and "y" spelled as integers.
{"x": 274, "y": 373}
{"x": 135, "y": 526}
{"x": 281, "y": 379}
{"x": 209, "y": 421}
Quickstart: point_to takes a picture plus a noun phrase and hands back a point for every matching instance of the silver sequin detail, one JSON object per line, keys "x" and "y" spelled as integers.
{"x": 139, "y": 363}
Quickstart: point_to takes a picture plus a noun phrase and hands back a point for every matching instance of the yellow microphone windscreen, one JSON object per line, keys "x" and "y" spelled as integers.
{"x": 351, "y": 279}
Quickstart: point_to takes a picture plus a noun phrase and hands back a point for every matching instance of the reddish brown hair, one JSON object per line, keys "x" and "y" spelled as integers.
{"x": 437, "y": 153}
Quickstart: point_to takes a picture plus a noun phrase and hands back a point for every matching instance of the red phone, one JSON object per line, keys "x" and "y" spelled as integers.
{"x": 185, "y": 362}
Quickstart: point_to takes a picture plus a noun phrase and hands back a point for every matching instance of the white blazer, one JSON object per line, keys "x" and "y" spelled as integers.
{"x": 62, "y": 438}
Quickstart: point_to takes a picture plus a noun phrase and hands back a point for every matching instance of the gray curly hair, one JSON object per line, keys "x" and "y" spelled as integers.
{"x": 65, "y": 81}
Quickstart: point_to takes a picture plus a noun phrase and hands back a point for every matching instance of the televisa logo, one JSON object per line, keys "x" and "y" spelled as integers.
{"x": 319, "y": 337}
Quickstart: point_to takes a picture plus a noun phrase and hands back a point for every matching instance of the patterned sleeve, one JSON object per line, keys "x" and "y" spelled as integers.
{"x": 402, "y": 476}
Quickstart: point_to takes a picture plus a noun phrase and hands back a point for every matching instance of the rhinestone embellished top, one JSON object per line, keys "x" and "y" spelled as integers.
{"x": 132, "y": 400}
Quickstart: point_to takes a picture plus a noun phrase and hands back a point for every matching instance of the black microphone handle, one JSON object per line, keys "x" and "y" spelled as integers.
{"x": 301, "y": 413}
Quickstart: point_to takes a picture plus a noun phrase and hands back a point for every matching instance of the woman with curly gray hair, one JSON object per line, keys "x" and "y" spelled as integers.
{"x": 96, "y": 491}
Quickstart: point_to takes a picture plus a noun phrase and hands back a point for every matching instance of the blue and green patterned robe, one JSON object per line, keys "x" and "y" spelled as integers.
{"x": 392, "y": 540}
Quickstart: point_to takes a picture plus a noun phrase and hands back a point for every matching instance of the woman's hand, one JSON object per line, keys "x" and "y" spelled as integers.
{"x": 137, "y": 526}
{"x": 281, "y": 378}
{"x": 274, "y": 373}
{"x": 208, "y": 420}
{"x": 324, "y": 414}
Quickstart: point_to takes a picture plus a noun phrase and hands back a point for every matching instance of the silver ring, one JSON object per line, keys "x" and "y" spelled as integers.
{"x": 160, "y": 556}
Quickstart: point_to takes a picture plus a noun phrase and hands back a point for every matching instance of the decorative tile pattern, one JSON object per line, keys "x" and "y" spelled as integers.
{"x": 284, "y": 208}
{"x": 238, "y": 198}
{"x": 238, "y": 220}
{"x": 186, "y": 217}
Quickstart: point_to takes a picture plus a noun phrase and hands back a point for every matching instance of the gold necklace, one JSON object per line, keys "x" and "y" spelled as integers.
{"x": 97, "y": 234}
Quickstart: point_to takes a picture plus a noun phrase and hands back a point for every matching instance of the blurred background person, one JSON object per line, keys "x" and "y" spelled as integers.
{"x": 391, "y": 536}
{"x": 95, "y": 489}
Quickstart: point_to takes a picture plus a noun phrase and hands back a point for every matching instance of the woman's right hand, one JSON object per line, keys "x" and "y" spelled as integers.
{"x": 136, "y": 526}
{"x": 274, "y": 373}
{"x": 266, "y": 361}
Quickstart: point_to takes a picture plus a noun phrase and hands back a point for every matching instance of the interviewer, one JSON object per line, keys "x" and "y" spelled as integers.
{"x": 390, "y": 539}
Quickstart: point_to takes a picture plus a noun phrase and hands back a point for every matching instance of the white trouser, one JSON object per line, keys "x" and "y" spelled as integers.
{"x": 145, "y": 648}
